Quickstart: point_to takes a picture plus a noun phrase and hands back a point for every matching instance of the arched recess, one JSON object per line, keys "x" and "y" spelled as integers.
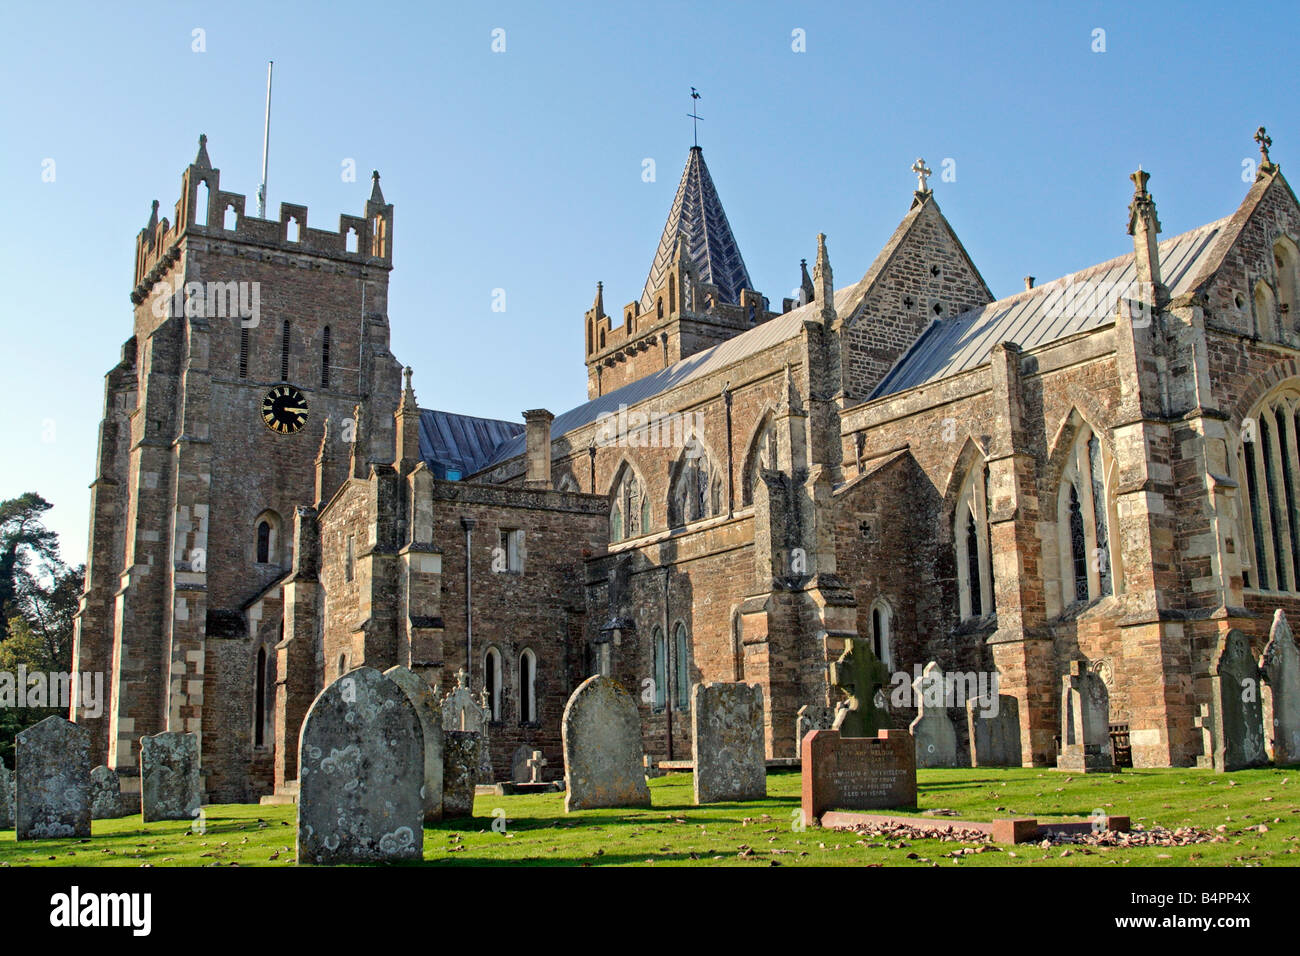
{"x": 696, "y": 489}
{"x": 1089, "y": 548}
{"x": 492, "y": 680}
{"x": 1265, "y": 311}
{"x": 527, "y": 686}
{"x": 629, "y": 503}
{"x": 1286, "y": 260}
{"x": 262, "y": 681}
{"x": 972, "y": 542}
{"x": 882, "y": 632}
{"x": 1268, "y": 472}
{"x": 267, "y": 534}
{"x": 763, "y": 454}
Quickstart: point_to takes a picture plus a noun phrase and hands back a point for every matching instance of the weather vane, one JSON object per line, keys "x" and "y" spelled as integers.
{"x": 695, "y": 120}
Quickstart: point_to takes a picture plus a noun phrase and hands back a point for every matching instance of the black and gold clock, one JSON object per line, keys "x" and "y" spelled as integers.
{"x": 284, "y": 409}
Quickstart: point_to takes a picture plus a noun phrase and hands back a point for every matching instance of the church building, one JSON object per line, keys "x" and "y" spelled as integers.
{"x": 1104, "y": 468}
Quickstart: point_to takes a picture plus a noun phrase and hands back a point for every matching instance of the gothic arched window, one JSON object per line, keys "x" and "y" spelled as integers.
{"x": 1088, "y": 551}
{"x": 629, "y": 509}
{"x": 971, "y": 539}
{"x": 697, "y": 487}
{"x": 682, "y": 667}
{"x": 660, "y": 646}
{"x": 882, "y": 624}
{"x": 1270, "y": 464}
{"x": 762, "y": 457}
{"x": 267, "y": 546}
{"x": 527, "y": 687}
{"x": 492, "y": 682}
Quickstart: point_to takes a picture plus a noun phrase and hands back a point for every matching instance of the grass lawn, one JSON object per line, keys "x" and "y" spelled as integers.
{"x": 535, "y": 829}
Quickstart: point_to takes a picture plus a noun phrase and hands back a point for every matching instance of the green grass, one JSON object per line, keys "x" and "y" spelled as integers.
{"x": 673, "y": 832}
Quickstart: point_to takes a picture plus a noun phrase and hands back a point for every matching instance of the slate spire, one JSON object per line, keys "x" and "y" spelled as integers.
{"x": 698, "y": 217}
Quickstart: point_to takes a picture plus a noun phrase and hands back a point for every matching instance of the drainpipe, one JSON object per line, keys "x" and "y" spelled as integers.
{"x": 468, "y": 525}
{"x": 731, "y": 480}
{"x": 668, "y": 671}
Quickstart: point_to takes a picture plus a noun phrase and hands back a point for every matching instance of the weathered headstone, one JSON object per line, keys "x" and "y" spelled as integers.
{"x": 859, "y": 676}
{"x": 857, "y": 773}
{"x": 1236, "y": 711}
{"x": 6, "y": 799}
{"x": 519, "y": 772}
{"x": 169, "y": 777}
{"x": 52, "y": 764}
{"x": 1280, "y": 664}
{"x": 535, "y": 764}
{"x": 601, "y": 730}
{"x": 936, "y": 740}
{"x": 808, "y": 718}
{"x": 460, "y": 763}
{"x": 106, "y": 799}
{"x": 994, "y": 737}
{"x": 1085, "y": 722}
{"x": 727, "y": 749}
{"x": 461, "y": 711}
{"x": 361, "y": 769}
{"x": 429, "y": 712}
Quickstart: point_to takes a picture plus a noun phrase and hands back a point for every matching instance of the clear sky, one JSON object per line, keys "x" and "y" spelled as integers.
{"x": 522, "y": 170}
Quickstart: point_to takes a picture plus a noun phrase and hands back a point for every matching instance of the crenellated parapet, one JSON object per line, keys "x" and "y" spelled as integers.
{"x": 205, "y": 209}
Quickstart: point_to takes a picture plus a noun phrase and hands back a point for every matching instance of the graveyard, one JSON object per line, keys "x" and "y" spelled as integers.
{"x": 1252, "y": 816}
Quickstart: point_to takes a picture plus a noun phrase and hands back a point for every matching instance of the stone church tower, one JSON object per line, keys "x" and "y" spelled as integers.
{"x": 249, "y": 334}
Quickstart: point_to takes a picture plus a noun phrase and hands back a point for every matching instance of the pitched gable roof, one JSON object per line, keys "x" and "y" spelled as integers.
{"x": 1074, "y": 303}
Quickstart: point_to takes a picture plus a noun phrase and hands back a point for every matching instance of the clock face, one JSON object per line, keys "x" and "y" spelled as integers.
{"x": 284, "y": 409}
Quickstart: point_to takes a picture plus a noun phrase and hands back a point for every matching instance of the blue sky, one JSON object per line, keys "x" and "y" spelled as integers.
{"x": 522, "y": 170}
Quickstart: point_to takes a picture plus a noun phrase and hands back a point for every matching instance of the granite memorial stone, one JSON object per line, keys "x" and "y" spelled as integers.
{"x": 169, "y": 777}
{"x": 727, "y": 750}
{"x": 361, "y": 770}
{"x": 53, "y": 769}
{"x": 601, "y": 731}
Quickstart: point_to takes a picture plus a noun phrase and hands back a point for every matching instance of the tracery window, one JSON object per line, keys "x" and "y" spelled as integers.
{"x": 1268, "y": 461}
{"x": 1087, "y": 521}
{"x": 697, "y": 487}
{"x": 629, "y": 510}
{"x": 762, "y": 456}
{"x": 971, "y": 540}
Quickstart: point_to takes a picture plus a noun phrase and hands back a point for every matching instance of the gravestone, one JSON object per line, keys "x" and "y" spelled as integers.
{"x": 808, "y": 718}
{"x": 6, "y": 798}
{"x": 1280, "y": 664}
{"x": 535, "y": 764}
{"x": 936, "y": 740}
{"x": 994, "y": 737}
{"x": 106, "y": 799}
{"x": 601, "y": 731}
{"x": 421, "y": 696}
{"x": 1085, "y": 722}
{"x": 1236, "y": 712}
{"x": 460, "y": 767}
{"x": 859, "y": 676}
{"x": 52, "y": 764}
{"x": 361, "y": 769}
{"x": 519, "y": 772}
{"x": 169, "y": 777}
{"x": 727, "y": 749}
{"x": 460, "y": 711}
{"x": 857, "y": 773}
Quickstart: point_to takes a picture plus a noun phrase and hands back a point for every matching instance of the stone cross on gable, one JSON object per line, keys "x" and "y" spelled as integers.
{"x": 1265, "y": 141}
{"x": 922, "y": 171}
{"x": 535, "y": 763}
{"x": 859, "y": 675}
{"x": 462, "y": 678}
